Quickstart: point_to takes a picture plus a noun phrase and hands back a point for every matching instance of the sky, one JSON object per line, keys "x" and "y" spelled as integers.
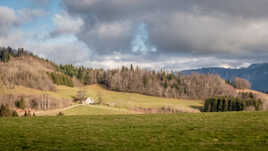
{"x": 154, "y": 34}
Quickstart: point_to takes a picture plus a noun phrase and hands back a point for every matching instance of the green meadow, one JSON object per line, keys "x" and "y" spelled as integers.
{"x": 231, "y": 131}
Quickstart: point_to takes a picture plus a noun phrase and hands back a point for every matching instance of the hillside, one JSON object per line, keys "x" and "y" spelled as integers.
{"x": 44, "y": 85}
{"x": 25, "y": 69}
{"x": 173, "y": 132}
{"x": 21, "y": 68}
{"x": 256, "y": 74}
{"x": 153, "y": 83}
{"x": 112, "y": 102}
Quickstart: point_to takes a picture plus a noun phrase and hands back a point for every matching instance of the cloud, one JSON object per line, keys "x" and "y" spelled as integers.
{"x": 222, "y": 29}
{"x": 66, "y": 24}
{"x": 11, "y": 19}
{"x": 239, "y": 8}
{"x": 73, "y": 52}
{"x": 8, "y": 19}
{"x": 174, "y": 34}
{"x": 60, "y": 50}
{"x": 175, "y": 63}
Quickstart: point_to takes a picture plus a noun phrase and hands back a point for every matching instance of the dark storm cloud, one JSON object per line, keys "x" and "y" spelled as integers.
{"x": 208, "y": 27}
{"x": 172, "y": 34}
{"x": 118, "y": 9}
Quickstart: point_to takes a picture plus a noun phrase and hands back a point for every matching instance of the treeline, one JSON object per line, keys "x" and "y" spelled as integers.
{"x": 61, "y": 79}
{"x": 126, "y": 79}
{"x": 85, "y": 75}
{"x": 167, "y": 84}
{"x": 155, "y": 83}
{"x": 224, "y": 104}
{"x": 7, "y": 53}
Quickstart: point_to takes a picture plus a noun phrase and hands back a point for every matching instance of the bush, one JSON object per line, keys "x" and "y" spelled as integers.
{"x": 27, "y": 114}
{"x": 20, "y": 103}
{"x": 224, "y": 104}
{"x": 60, "y": 114}
{"x": 15, "y": 114}
{"x": 5, "y": 111}
{"x": 247, "y": 95}
{"x": 80, "y": 96}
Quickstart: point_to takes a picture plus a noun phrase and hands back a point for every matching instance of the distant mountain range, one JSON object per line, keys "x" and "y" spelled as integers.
{"x": 257, "y": 74}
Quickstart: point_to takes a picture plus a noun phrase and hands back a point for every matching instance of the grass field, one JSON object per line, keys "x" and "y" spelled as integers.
{"x": 121, "y": 100}
{"x": 126, "y": 100}
{"x": 96, "y": 110}
{"x": 169, "y": 132}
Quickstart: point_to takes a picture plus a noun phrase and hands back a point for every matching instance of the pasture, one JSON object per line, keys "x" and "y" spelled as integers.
{"x": 152, "y": 132}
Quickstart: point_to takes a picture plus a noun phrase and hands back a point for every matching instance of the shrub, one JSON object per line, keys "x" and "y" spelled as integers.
{"x": 81, "y": 95}
{"x": 15, "y": 114}
{"x": 27, "y": 114}
{"x": 60, "y": 114}
{"x": 20, "y": 103}
{"x": 247, "y": 95}
{"x": 5, "y": 111}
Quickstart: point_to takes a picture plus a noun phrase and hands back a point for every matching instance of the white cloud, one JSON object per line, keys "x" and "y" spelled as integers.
{"x": 66, "y": 24}
{"x": 106, "y": 34}
{"x": 8, "y": 19}
{"x": 229, "y": 30}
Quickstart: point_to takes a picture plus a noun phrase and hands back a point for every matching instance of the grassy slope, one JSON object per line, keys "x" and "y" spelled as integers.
{"x": 117, "y": 99}
{"x": 96, "y": 110}
{"x": 128, "y": 100}
{"x": 206, "y": 131}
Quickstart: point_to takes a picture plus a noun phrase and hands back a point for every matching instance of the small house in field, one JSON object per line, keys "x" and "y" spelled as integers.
{"x": 89, "y": 101}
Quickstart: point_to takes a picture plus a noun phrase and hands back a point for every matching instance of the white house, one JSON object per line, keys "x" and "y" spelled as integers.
{"x": 88, "y": 101}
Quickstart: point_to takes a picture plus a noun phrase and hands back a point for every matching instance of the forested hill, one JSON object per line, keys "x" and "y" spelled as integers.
{"x": 257, "y": 74}
{"x": 19, "y": 67}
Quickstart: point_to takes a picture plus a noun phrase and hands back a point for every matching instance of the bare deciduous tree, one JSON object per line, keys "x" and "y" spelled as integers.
{"x": 241, "y": 83}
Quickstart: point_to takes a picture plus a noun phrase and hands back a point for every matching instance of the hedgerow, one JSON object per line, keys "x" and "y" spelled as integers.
{"x": 225, "y": 104}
